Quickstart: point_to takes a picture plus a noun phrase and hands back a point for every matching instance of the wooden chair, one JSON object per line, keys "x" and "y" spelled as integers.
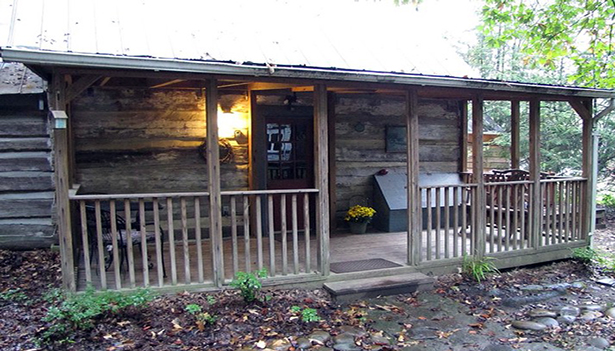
{"x": 122, "y": 236}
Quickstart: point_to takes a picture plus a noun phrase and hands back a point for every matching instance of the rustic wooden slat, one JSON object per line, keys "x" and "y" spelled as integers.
{"x": 157, "y": 239}
{"x": 499, "y": 221}
{"x": 283, "y": 233}
{"x": 129, "y": 248}
{"x": 447, "y": 220}
{"x": 507, "y": 225}
{"x": 143, "y": 232}
{"x": 234, "y": 241}
{"x": 560, "y": 227}
{"x": 246, "y": 232}
{"x": 554, "y": 213}
{"x": 198, "y": 236}
{"x": 516, "y": 211}
{"x": 295, "y": 228}
{"x": 306, "y": 228}
{"x": 101, "y": 247}
{"x": 85, "y": 242}
{"x": 117, "y": 259}
{"x": 184, "y": 219}
{"x": 438, "y": 223}
{"x": 491, "y": 201}
{"x": 567, "y": 212}
{"x": 547, "y": 215}
{"x": 574, "y": 217}
{"x": 429, "y": 224}
{"x": 523, "y": 211}
{"x": 456, "y": 208}
{"x": 464, "y": 221}
{"x": 271, "y": 232}
{"x": 259, "y": 233}
{"x": 171, "y": 230}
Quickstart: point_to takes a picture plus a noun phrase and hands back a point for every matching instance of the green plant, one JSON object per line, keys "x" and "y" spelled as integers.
{"x": 202, "y": 318}
{"x": 295, "y": 309}
{"x": 193, "y": 308}
{"x": 14, "y": 295}
{"x": 249, "y": 284}
{"x": 478, "y": 267}
{"x": 607, "y": 200}
{"x": 310, "y": 315}
{"x": 78, "y": 311}
{"x": 584, "y": 254}
{"x": 211, "y": 300}
{"x": 359, "y": 214}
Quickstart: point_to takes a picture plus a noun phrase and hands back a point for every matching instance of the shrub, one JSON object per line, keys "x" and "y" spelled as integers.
{"x": 78, "y": 311}
{"x": 201, "y": 318}
{"x": 310, "y": 315}
{"x": 249, "y": 284}
{"x": 478, "y": 268}
{"x": 584, "y": 254}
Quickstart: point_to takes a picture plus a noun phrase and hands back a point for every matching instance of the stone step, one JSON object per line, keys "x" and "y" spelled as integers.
{"x": 343, "y": 291}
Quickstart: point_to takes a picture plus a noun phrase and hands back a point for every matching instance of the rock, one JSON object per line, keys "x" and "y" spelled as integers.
{"x": 380, "y": 340}
{"x": 529, "y": 325}
{"x": 541, "y": 312}
{"x": 303, "y": 343}
{"x": 496, "y": 347}
{"x": 579, "y": 285}
{"x": 548, "y": 321}
{"x": 532, "y": 288}
{"x": 591, "y": 307}
{"x": 343, "y": 339}
{"x": 346, "y": 329}
{"x": 599, "y": 342}
{"x": 422, "y": 333}
{"x": 610, "y": 312}
{"x": 590, "y": 316}
{"x": 280, "y": 345}
{"x": 320, "y": 337}
{"x": 606, "y": 281}
{"x": 566, "y": 319}
{"x": 346, "y": 347}
{"x": 570, "y": 311}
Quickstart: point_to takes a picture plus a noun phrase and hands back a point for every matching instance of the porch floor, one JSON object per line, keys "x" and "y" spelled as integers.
{"x": 343, "y": 247}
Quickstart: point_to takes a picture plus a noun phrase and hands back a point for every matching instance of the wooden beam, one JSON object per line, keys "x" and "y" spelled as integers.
{"x": 479, "y": 237}
{"x": 77, "y": 87}
{"x": 515, "y": 134}
{"x": 62, "y": 179}
{"x": 332, "y": 163}
{"x": 213, "y": 180}
{"x": 536, "y": 195}
{"x": 606, "y": 111}
{"x": 414, "y": 193}
{"x": 463, "y": 125}
{"x": 588, "y": 204}
{"x": 321, "y": 171}
{"x": 167, "y": 83}
{"x": 581, "y": 108}
{"x": 104, "y": 81}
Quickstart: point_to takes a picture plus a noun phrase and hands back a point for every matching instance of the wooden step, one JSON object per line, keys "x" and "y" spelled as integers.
{"x": 356, "y": 289}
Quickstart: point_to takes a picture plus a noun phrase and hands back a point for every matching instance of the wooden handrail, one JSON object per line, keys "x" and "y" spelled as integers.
{"x": 74, "y": 196}
{"x": 463, "y": 185}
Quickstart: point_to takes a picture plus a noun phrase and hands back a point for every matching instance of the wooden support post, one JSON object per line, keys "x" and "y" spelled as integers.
{"x": 414, "y": 193}
{"x": 321, "y": 171}
{"x": 213, "y": 182}
{"x": 332, "y": 163}
{"x": 478, "y": 203}
{"x": 463, "y": 125}
{"x": 588, "y": 204}
{"x": 62, "y": 180}
{"x": 536, "y": 201}
{"x": 515, "y": 134}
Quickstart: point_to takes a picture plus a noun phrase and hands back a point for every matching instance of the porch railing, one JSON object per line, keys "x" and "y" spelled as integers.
{"x": 163, "y": 239}
{"x": 449, "y": 219}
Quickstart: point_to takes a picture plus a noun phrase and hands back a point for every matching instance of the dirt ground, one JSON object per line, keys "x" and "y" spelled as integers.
{"x": 458, "y": 314}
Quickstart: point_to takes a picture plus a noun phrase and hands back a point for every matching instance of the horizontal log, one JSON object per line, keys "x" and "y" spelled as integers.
{"x": 27, "y": 208}
{"x": 23, "y": 126}
{"x": 21, "y": 234}
{"x": 25, "y": 144}
{"x": 25, "y": 161}
{"x": 26, "y": 181}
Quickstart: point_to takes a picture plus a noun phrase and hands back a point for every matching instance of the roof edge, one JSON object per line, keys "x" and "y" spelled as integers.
{"x": 51, "y": 58}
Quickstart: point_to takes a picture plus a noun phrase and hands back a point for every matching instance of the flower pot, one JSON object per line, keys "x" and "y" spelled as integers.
{"x": 358, "y": 227}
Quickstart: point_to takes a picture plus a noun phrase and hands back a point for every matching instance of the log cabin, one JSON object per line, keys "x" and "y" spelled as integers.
{"x": 183, "y": 157}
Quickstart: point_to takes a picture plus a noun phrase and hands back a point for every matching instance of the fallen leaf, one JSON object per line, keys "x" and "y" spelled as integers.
{"x": 261, "y": 344}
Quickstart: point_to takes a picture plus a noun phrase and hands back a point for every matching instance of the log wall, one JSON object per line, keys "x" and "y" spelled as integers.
{"x": 26, "y": 173}
{"x": 361, "y": 154}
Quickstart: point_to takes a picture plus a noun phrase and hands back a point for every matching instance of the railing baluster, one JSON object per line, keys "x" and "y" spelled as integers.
{"x": 522, "y": 231}
{"x": 491, "y": 204}
{"x": 246, "y": 232}
{"x": 465, "y": 196}
{"x": 259, "y": 233}
{"x": 306, "y": 227}
{"x": 457, "y": 203}
{"x": 172, "y": 240}
{"x": 429, "y": 225}
{"x": 560, "y": 205}
{"x": 284, "y": 238}
{"x": 507, "y": 208}
{"x": 515, "y": 214}
{"x": 575, "y": 202}
{"x": 129, "y": 248}
{"x": 234, "y": 241}
{"x": 157, "y": 240}
{"x": 499, "y": 221}
{"x": 438, "y": 223}
{"x": 184, "y": 219}
{"x": 85, "y": 242}
{"x": 567, "y": 213}
{"x": 271, "y": 232}
{"x": 198, "y": 236}
{"x": 142, "y": 231}
{"x": 447, "y": 220}
{"x": 117, "y": 260}
{"x": 100, "y": 244}
{"x": 295, "y": 227}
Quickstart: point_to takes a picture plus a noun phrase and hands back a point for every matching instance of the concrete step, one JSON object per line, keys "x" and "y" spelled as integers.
{"x": 356, "y": 289}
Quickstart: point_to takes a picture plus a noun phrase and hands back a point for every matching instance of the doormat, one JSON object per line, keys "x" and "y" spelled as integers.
{"x": 362, "y": 265}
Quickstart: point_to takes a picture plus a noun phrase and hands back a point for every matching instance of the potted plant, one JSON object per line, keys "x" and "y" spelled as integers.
{"x": 358, "y": 217}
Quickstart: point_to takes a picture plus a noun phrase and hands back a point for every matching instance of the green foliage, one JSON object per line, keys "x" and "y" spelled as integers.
{"x": 309, "y": 315}
{"x": 478, "y": 268}
{"x": 295, "y": 309}
{"x": 78, "y": 311}
{"x": 584, "y": 254}
{"x": 594, "y": 258}
{"x": 202, "y": 318}
{"x": 193, "y": 308}
{"x": 211, "y": 300}
{"x": 249, "y": 284}
{"x": 14, "y": 295}
{"x": 607, "y": 200}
